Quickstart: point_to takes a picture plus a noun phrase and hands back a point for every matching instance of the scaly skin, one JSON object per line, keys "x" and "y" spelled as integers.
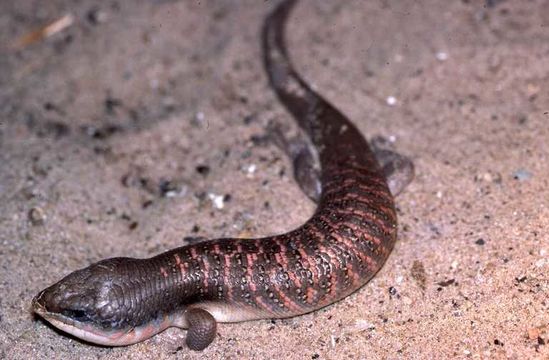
{"x": 121, "y": 301}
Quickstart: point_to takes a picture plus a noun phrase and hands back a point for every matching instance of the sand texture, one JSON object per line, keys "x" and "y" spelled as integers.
{"x": 135, "y": 128}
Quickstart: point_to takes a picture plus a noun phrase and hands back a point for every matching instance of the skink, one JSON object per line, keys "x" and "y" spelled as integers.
{"x": 122, "y": 301}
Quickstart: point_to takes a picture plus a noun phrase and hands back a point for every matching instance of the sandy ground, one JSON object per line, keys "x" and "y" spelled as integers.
{"x": 133, "y": 129}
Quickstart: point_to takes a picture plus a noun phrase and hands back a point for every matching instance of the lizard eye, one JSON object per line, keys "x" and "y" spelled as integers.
{"x": 78, "y": 315}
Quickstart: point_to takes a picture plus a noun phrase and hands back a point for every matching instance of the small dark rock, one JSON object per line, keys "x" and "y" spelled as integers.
{"x": 203, "y": 170}
{"x": 167, "y": 187}
{"x": 95, "y": 16}
{"x": 446, "y": 282}
{"x": 111, "y": 104}
{"x": 480, "y": 242}
{"x": 37, "y": 216}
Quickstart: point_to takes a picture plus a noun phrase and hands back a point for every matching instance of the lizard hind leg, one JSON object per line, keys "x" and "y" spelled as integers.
{"x": 306, "y": 167}
{"x": 398, "y": 169}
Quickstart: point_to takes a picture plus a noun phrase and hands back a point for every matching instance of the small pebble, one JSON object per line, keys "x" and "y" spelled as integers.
{"x": 360, "y": 325}
{"x": 442, "y": 56}
{"x": 391, "y": 100}
{"x": 522, "y": 175}
{"x": 533, "y": 333}
{"x": 250, "y": 170}
{"x": 37, "y": 216}
{"x": 203, "y": 170}
{"x": 218, "y": 201}
{"x": 96, "y": 16}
